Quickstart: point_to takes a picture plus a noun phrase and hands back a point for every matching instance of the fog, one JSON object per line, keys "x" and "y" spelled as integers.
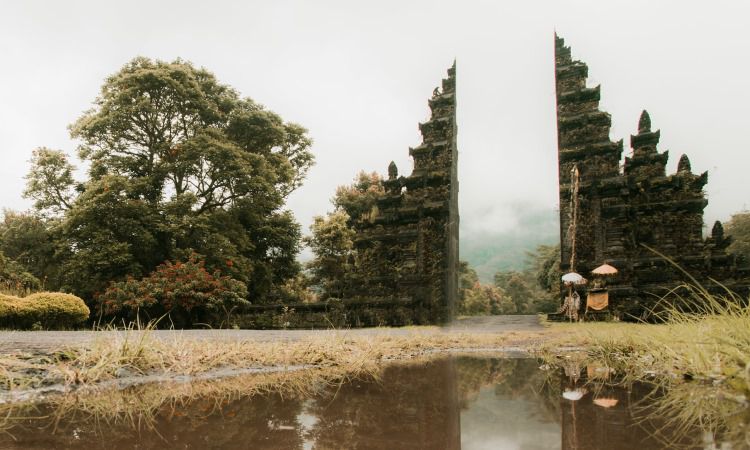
{"x": 358, "y": 75}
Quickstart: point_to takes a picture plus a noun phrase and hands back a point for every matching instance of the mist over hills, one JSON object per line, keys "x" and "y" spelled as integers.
{"x": 488, "y": 251}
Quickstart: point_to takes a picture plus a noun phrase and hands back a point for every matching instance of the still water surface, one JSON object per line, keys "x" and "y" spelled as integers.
{"x": 450, "y": 403}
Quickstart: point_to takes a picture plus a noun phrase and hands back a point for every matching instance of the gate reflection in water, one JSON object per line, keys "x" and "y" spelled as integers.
{"x": 450, "y": 403}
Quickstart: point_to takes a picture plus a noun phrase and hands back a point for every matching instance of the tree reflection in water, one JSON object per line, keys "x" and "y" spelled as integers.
{"x": 448, "y": 403}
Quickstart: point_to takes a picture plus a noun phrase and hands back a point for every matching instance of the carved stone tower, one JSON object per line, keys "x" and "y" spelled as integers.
{"x": 583, "y": 144}
{"x": 632, "y": 217}
{"x": 407, "y": 247}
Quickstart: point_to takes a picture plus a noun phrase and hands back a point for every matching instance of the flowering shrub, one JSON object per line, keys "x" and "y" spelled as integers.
{"x": 185, "y": 291}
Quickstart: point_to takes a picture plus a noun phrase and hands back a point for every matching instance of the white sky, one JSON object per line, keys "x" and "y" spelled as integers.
{"x": 358, "y": 74}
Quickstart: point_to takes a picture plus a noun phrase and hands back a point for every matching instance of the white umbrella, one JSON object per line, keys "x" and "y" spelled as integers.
{"x": 574, "y": 395}
{"x": 573, "y": 278}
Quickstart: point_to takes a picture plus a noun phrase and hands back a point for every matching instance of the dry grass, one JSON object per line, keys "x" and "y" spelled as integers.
{"x": 705, "y": 337}
{"x": 297, "y": 368}
{"x": 137, "y": 352}
{"x": 698, "y": 360}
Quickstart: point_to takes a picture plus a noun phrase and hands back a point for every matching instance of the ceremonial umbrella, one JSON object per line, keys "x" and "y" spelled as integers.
{"x": 573, "y": 278}
{"x": 604, "y": 269}
{"x": 574, "y": 394}
{"x": 605, "y": 402}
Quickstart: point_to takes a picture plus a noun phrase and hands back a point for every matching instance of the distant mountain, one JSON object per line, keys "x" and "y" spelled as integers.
{"x": 489, "y": 252}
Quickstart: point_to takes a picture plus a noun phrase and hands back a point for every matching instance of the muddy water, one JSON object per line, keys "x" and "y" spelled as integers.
{"x": 451, "y": 403}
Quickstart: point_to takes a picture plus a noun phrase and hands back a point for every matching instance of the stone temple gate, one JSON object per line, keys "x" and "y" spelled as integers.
{"x": 631, "y": 216}
{"x": 407, "y": 246}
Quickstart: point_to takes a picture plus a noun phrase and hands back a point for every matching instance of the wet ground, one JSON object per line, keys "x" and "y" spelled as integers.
{"x": 465, "y": 402}
{"x": 49, "y": 341}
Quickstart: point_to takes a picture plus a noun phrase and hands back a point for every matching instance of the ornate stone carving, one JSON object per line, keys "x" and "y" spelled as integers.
{"x": 409, "y": 248}
{"x": 629, "y": 218}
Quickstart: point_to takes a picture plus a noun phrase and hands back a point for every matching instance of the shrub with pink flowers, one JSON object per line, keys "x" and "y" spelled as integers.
{"x": 184, "y": 292}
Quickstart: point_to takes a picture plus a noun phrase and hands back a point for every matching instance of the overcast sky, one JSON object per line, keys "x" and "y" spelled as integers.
{"x": 358, "y": 75}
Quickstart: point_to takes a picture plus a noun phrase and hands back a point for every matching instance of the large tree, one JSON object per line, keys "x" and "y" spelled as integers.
{"x": 331, "y": 239}
{"x": 178, "y": 163}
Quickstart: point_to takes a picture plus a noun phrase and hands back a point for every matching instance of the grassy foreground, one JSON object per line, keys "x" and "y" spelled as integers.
{"x": 706, "y": 338}
{"x": 135, "y": 354}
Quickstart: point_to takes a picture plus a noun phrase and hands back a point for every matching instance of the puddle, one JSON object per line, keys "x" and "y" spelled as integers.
{"x": 466, "y": 402}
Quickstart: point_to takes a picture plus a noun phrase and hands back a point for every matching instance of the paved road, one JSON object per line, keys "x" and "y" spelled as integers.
{"x": 48, "y": 341}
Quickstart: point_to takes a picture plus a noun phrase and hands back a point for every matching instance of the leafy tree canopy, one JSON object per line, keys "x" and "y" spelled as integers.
{"x": 50, "y": 182}
{"x": 28, "y": 240}
{"x": 332, "y": 235}
{"x": 332, "y": 243}
{"x": 359, "y": 197}
{"x": 177, "y": 163}
{"x": 738, "y": 227}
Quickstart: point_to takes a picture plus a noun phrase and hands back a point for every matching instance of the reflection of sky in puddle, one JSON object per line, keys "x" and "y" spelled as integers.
{"x": 494, "y": 422}
{"x": 469, "y": 403}
{"x": 307, "y": 424}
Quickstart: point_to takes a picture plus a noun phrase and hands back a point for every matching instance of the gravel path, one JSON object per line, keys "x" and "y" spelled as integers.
{"x": 50, "y": 341}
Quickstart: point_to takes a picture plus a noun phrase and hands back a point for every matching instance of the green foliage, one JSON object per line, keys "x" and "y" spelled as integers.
{"x": 332, "y": 243}
{"x": 359, "y": 197}
{"x": 174, "y": 128}
{"x": 297, "y": 290}
{"x": 483, "y": 299}
{"x": 178, "y": 163}
{"x": 185, "y": 291}
{"x": 332, "y": 235}
{"x": 477, "y": 299}
{"x": 738, "y": 227}
{"x": 15, "y": 280}
{"x": 518, "y": 288}
{"x": 50, "y": 182}
{"x": 109, "y": 235}
{"x": 545, "y": 263}
{"x": 45, "y": 310}
{"x": 29, "y": 241}
{"x": 467, "y": 277}
{"x": 537, "y": 287}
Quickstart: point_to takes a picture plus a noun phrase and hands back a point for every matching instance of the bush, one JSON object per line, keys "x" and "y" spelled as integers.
{"x": 185, "y": 291}
{"x": 45, "y": 310}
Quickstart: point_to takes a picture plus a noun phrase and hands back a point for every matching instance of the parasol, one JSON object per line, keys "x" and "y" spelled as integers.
{"x": 574, "y": 395}
{"x": 605, "y": 402}
{"x": 604, "y": 269}
{"x": 573, "y": 278}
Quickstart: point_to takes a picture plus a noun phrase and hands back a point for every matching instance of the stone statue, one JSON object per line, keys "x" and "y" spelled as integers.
{"x": 684, "y": 164}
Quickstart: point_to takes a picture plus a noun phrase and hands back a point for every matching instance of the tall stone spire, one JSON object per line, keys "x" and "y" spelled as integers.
{"x": 645, "y": 141}
{"x": 409, "y": 248}
{"x": 646, "y": 160}
{"x": 583, "y": 142}
{"x": 644, "y": 123}
{"x": 618, "y": 217}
